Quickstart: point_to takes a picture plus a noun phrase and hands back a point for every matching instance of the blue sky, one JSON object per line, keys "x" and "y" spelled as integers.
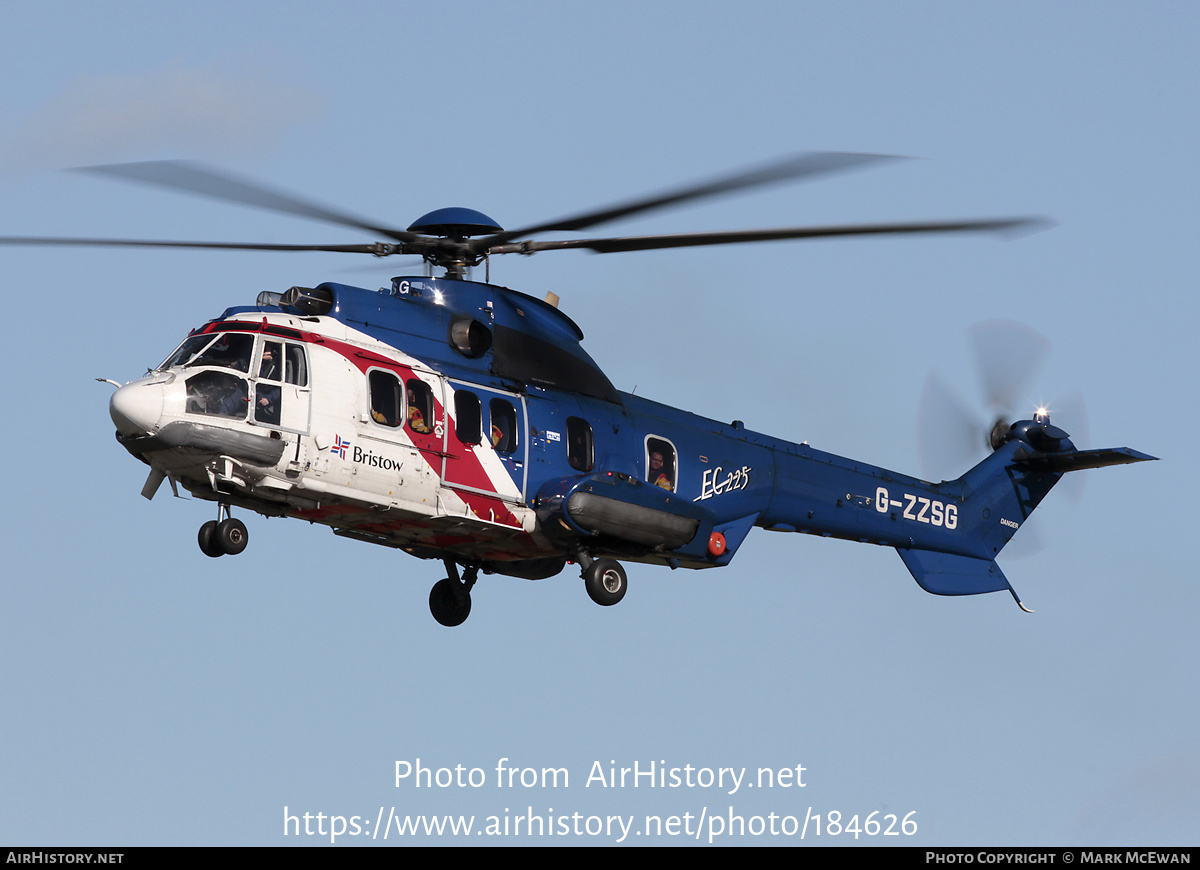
{"x": 154, "y": 696}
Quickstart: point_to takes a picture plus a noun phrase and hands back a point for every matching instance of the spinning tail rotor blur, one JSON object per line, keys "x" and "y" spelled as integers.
{"x": 954, "y": 434}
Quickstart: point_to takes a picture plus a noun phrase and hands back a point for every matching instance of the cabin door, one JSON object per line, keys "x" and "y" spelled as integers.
{"x": 486, "y": 441}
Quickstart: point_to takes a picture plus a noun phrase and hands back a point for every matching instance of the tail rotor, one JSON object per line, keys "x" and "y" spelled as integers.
{"x": 954, "y": 434}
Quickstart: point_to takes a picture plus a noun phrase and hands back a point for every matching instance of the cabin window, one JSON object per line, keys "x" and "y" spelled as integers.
{"x": 580, "y": 451}
{"x": 387, "y": 398}
{"x": 468, "y": 417}
{"x": 217, "y": 394}
{"x": 504, "y": 425}
{"x": 660, "y": 463}
{"x": 420, "y": 406}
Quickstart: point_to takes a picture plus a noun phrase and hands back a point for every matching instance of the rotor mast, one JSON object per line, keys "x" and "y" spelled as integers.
{"x": 454, "y": 226}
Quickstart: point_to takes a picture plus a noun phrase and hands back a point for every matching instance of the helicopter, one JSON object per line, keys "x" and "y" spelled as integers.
{"x": 464, "y": 422}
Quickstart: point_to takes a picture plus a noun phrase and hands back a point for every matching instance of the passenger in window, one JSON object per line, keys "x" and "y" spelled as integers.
{"x": 377, "y": 413}
{"x": 386, "y": 398}
{"x": 503, "y": 431}
{"x": 216, "y": 393}
{"x": 233, "y": 400}
{"x": 229, "y": 351}
{"x": 420, "y": 407}
{"x": 416, "y": 420}
{"x": 269, "y": 367}
{"x": 266, "y": 409}
{"x": 379, "y": 416}
{"x": 500, "y": 435}
{"x": 659, "y": 473}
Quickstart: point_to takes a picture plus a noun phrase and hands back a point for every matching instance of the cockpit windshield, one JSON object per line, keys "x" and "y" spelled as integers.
{"x": 186, "y": 352}
{"x": 228, "y": 350}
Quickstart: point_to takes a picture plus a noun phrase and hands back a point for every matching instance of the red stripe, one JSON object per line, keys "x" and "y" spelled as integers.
{"x": 467, "y": 469}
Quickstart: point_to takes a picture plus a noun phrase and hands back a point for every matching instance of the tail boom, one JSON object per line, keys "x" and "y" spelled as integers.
{"x": 999, "y": 494}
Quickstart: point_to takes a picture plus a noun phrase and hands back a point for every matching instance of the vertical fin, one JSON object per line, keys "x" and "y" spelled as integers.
{"x": 948, "y": 574}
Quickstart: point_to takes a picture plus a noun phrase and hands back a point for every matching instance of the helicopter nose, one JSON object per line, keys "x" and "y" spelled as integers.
{"x": 136, "y": 408}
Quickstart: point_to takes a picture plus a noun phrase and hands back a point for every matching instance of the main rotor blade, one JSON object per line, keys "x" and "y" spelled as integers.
{"x": 379, "y": 249}
{"x": 687, "y": 240}
{"x": 817, "y": 163}
{"x": 193, "y": 178}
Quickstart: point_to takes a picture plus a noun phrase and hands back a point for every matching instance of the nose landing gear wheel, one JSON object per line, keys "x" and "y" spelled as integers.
{"x": 449, "y": 603}
{"x": 605, "y": 581}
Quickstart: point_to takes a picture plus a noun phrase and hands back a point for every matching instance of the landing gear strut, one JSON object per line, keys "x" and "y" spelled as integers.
{"x": 223, "y": 536}
{"x": 450, "y": 598}
{"x": 604, "y": 579}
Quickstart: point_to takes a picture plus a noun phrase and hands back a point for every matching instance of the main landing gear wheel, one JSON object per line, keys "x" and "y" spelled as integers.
{"x": 226, "y": 538}
{"x": 605, "y": 581}
{"x": 449, "y": 602}
{"x": 231, "y": 536}
{"x": 208, "y": 544}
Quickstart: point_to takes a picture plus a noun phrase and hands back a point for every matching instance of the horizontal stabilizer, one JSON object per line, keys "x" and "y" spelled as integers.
{"x": 948, "y": 574}
{"x": 1080, "y": 459}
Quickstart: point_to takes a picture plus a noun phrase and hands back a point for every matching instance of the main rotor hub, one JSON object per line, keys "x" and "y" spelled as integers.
{"x": 453, "y": 226}
{"x": 454, "y": 222}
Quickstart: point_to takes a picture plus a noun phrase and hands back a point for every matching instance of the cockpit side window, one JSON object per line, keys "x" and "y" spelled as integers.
{"x": 267, "y": 392}
{"x": 270, "y": 365}
{"x": 217, "y": 394}
{"x": 295, "y": 367}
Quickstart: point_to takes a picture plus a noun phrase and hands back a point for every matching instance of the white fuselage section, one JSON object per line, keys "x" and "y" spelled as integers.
{"x": 352, "y": 433}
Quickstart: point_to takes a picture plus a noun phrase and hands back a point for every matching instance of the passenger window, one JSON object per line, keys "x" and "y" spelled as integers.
{"x": 504, "y": 425}
{"x": 420, "y": 406}
{"x": 660, "y": 463}
{"x": 387, "y": 400}
{"x": 580, "y": 451}
{"x": 468, "y": 417}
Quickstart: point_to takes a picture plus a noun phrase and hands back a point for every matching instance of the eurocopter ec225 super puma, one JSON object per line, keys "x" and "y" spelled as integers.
{"x": 463, "y": 421}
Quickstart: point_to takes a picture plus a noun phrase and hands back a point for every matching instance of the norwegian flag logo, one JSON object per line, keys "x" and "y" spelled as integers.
{"x": 339, "y": 446}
